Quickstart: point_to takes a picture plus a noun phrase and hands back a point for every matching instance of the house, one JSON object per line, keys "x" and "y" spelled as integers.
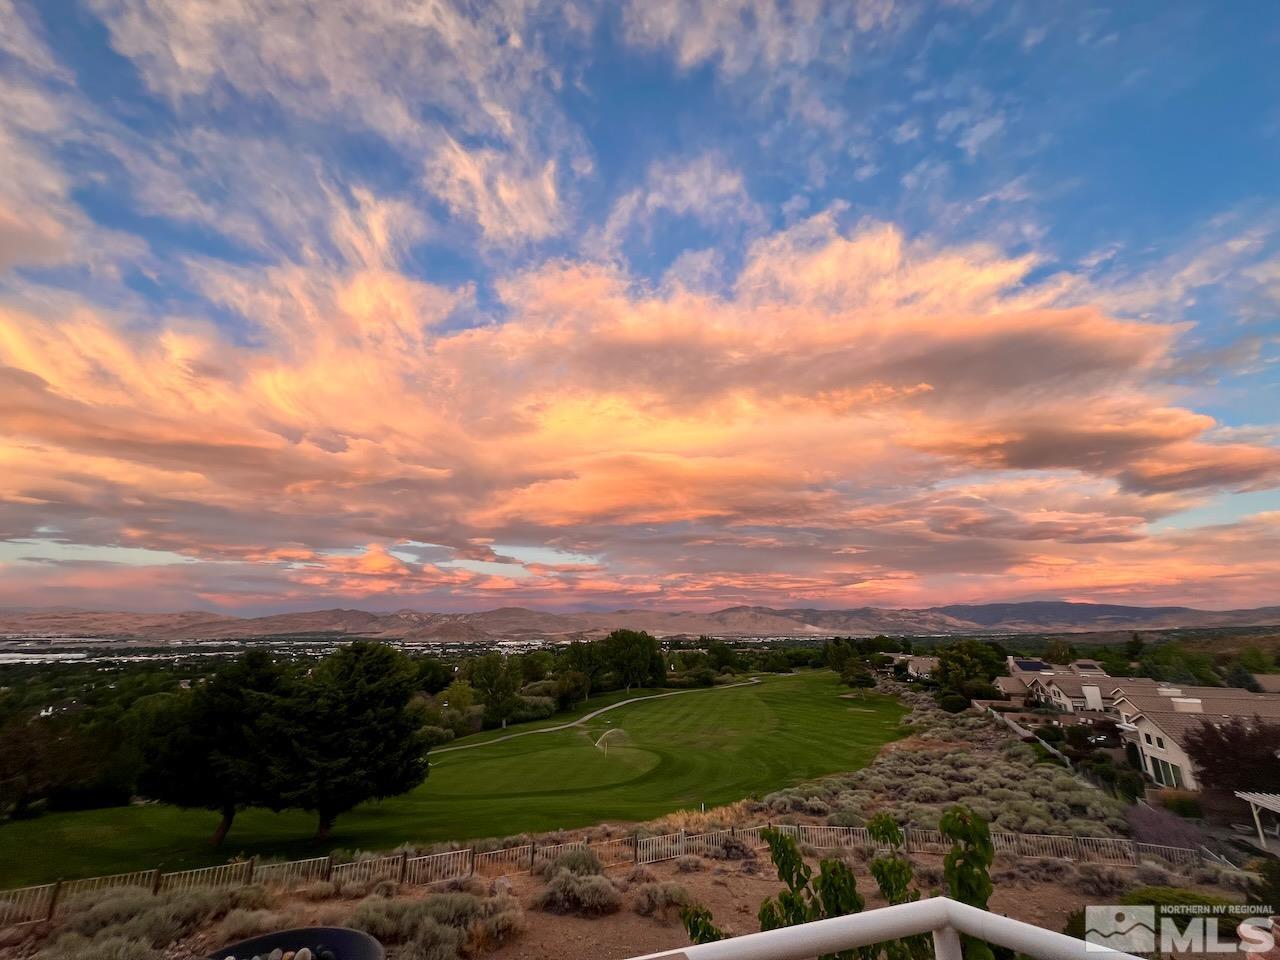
{"x": 1080, "y": 685}
{"x": 921, "y": 667}
{"x": 1157, "y": 723}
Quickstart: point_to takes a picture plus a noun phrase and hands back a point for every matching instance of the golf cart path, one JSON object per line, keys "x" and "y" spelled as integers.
{"x": 589, "y": 716}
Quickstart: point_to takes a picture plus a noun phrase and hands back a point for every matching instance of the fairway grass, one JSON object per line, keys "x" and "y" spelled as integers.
{"x": 704, "y": 747}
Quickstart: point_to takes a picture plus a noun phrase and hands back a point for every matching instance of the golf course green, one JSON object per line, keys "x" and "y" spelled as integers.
{"x": 709, "y": 746}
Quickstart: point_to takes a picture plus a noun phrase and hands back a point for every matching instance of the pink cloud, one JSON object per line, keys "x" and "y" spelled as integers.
{"x": 863, "y": 418}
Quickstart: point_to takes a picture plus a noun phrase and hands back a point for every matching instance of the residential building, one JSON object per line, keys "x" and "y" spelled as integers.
{"x": 1157, "y": 723}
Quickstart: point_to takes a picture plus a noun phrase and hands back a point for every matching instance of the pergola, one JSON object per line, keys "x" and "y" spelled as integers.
{"x": 1262, "y": 801}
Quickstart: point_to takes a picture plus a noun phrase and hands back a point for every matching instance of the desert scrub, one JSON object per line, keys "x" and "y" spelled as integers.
{"x": 660, "y": 900}
{"x": 76, "y": 946}
{"x": 425, "y": 924}
{"x": 688, "y": 864}
{"x": 133, "y": 914}
{"x": 585, "y": 896}
{"x": 317, "y": 890}
{"x": 730, "y": 848}
{"x": 1101, "y": 881}
{"x": 242, "y": 924}
{"x": 581, "y": 861}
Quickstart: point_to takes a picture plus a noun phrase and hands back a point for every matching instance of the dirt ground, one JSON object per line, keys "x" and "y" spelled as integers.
{"x": 733, "y": 898}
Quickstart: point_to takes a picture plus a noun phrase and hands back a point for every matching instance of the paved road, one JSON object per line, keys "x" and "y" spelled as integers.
{"x": 590, "y": 716}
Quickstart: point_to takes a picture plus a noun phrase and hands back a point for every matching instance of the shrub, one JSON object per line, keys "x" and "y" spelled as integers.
{"x": 688, "y": 864}
{"x": 731, "y": 848}
{"x": 660, "y": 899}
{"x": 586, "y": 896}
{"x": 532, "y": 708}
{"x": 391, "y": 921}
{"x": 953, "y": 702}
{"x": 1101, "y": 881}
{"x": 434, "y": 941}
{"x": 242, "y": 924}
{"x": 76, "y": 946}
{"x": 581, "y": 861}
{"x": 501, "y": 920}
{"x": 641, "y": 874}
{"x": 1044, "y": 870}
{"x": 317, "y": 890}
{"x": 1182, "y": 802}
{"x": 1152, "y": 874}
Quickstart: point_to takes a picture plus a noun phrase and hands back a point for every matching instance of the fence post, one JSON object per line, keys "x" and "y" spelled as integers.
{"x": 155, "y": 882}
{"x": 472, "y": 871}
{"x": 404, "y": 865}
{"x": 635, "y": 847}
{"x": 1079, "y": 847}
{"x": 906, "y": 839}
{"x": 250, "y": 866}
{"x": 533, "y": 850}
{"x": 53, "y": 899}
{"x": 328, "y": 867}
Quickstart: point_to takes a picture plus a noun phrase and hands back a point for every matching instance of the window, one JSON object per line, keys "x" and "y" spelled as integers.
{"x": 1165, "y": 773}
{"x": 1148, "y": 736}
{"x": 1160, "y": 742}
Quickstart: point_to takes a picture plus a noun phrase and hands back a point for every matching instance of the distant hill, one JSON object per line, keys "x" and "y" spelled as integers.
{"x": 516, "y": 623}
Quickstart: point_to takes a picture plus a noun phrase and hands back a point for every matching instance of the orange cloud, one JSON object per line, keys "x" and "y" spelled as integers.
{"x": 861, "y": 418}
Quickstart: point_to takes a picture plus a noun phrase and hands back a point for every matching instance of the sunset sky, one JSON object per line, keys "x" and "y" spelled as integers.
{"x": 671, "y": 303}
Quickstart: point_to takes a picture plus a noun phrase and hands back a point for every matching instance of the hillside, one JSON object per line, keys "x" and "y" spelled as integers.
{"x": 516, "y": 623}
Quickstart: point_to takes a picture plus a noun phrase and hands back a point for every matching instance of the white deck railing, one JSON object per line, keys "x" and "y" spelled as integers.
{"x": 944, "y": 918}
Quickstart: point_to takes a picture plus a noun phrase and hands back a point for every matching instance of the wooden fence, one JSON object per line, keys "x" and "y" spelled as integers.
{"x": 45, "y": 901}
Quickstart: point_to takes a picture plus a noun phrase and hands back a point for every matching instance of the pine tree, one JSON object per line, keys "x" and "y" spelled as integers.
{"x": 356, "y": 733}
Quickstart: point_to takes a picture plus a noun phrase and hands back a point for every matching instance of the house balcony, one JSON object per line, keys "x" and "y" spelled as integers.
{"x": 945, "y": 919}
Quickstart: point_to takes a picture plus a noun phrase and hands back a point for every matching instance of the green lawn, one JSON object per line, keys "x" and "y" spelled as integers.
{"x": 706, "y": 746}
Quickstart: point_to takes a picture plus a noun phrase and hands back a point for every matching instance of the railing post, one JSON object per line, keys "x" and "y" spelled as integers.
{"x": 472, "y": 871}
{"x": 906, "y": 839}
{"x": 404, "y": 865}
{"x": 533, "y": 849}
{"x": 635, "y": 847}
{"x": 53, "y": 899}
{"x": 155, "y": 882}
{"x": 946, "y": 944}
{"x": 1079, "y": 847}
{"x": 328, "y": 867}
{"x": 249, "y": 867}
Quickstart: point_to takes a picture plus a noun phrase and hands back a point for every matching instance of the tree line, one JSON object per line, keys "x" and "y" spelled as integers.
{"x": 320, "y": 735}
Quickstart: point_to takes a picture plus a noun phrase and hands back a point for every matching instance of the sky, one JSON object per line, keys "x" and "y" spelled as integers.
{"x": 638, "y": 303}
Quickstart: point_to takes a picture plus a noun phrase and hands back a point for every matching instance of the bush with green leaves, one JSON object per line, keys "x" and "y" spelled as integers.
{"x": 833, "y": 891}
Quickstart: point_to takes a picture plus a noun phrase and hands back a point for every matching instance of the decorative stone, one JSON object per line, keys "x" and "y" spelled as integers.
{"x": 303, "y": 954}
{"x": 276, "y": 954}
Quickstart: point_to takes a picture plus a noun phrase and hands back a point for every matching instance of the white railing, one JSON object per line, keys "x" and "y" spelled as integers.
{"x": 944, "y": 918}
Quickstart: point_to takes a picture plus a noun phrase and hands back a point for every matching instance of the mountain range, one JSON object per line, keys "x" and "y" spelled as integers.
{"x": 517, "y": 623}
